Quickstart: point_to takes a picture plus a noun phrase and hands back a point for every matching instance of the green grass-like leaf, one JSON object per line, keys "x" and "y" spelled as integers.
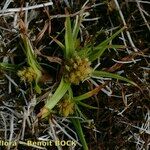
{"x": 106, "y": 42}
{"x": 62, "y": 46}
{"x": 87, "y": 95}
{"x": 32, "y": 61}
{"x": 111, "y": 75}
{"x": 59, "y": 93}
{"x": 86, "y": 105}
{"x": 77, "y": 26}
{"x": 100, "y": 49}
{"x": 69, "y": 43}
{"x": 79, "y": 131}
{"x": 7, "y": 66}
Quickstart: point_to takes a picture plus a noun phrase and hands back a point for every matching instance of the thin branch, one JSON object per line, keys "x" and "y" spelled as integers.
{"x": 25, "y": 8}
{"x": 141, "y": 12}
{"x": 11, "y": 131}
{"x": 124, "y": 23}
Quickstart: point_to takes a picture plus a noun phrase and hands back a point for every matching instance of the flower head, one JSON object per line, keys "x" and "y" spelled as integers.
{"x": 66, "y": 107}
{"x": 27, "y": 74}
{"x": 77, "y": 69}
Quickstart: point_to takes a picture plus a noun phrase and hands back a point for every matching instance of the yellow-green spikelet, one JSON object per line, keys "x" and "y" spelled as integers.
{"x": 66, "y": 107}
{"x": 77, "y": 69}
{"x": 27, "y": 74}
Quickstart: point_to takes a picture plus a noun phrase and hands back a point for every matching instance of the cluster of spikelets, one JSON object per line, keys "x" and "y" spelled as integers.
{"x": 27, "y": 74}
{"x": 66, "y": 107}
{"x": 77, "y": 69}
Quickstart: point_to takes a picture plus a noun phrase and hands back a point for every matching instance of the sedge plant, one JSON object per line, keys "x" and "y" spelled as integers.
{"x": 77, "y": 68}
{"x": 33, "y": 72}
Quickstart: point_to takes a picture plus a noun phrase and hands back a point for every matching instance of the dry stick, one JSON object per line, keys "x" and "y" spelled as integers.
{"x": 63, "y": 130}
{"x": 23, "y": 124}
{"x": 7, "y": 4}
{"x": 4, "y": 124}
{"x": 146, "y": 13}
{"x": 124, "y": 41}
{"x": 145, "y": 2}
{"x": 124, "y": 23}
{"x": 71, "y": 130}
{"x": 76, "y": 13}
{"x": 25, "y": 8}
{"x": 11, "y": 131}
{"x": 18, "y": 115}
{"x": 26, "y": 16}
{"x": 139, "y": 7}
{"x": 11, "y": 11}
{"x": 26, "y": 116}
{"x": 31, "y": 145}
{"x": 55, "y": 138}
{"x": 15, "y": 84}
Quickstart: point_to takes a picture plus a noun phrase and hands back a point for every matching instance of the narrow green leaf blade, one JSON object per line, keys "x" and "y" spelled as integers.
{"x": 8, "y": 66}
{"x": 96, "y": 54}
{"x": 112, "y": 75}
{"x": 69, "y": 43}
{"x": 100, "y": 49}
{"x": 106, "y": 42}
{"x": 59, "y": 43}
{"x": 59, "y": 93}
{"x": 77, "y": 27}
{"x": 86, "y": 105}
{"x": 79, "y": 131}
{"x": 32, "y": 61}
{"x": 87, "y": 95}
